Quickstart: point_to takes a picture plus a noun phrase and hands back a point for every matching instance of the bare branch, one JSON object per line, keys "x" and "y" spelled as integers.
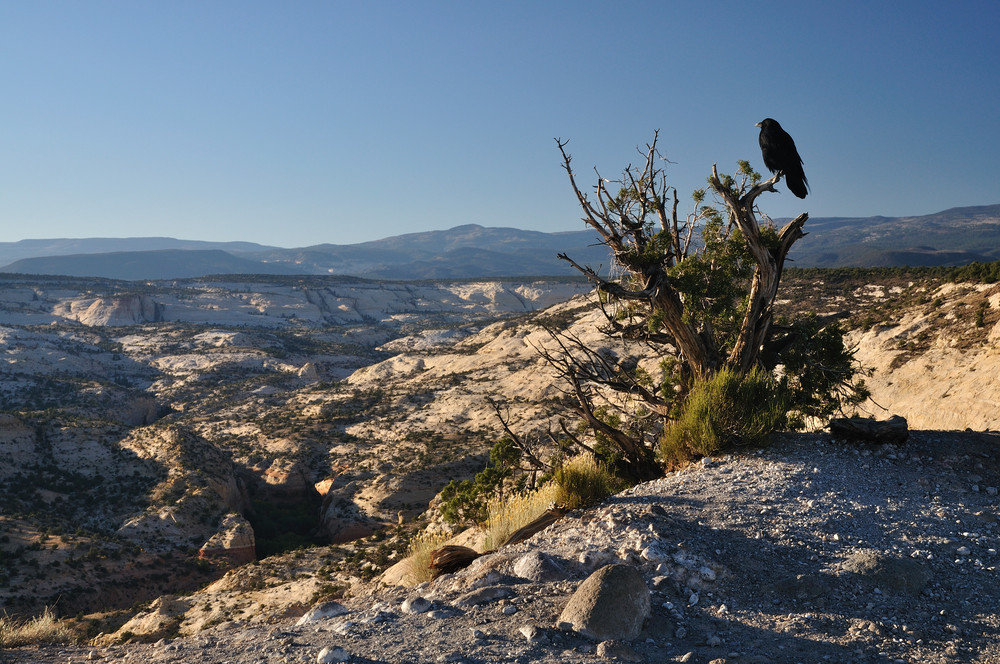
{"x": 519, "y": 442}
{"x": 576, "y": 440}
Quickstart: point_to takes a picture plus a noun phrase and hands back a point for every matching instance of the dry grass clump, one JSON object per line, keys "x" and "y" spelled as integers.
{"x": 43, "y": 629}
{"x": 419, "y": 555}
{"x": 509, "y": 514}
{"x": 583, "y": 481}
{"x": 578, "y": 482}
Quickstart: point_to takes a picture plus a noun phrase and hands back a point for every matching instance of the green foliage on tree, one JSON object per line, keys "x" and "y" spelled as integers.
{"x": 465, "y": 501}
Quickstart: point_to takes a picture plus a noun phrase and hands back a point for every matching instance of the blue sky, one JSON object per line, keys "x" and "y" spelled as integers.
{"x": 298, "y": 123}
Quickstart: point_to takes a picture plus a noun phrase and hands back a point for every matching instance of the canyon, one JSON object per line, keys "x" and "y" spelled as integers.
{"x": 272, "y": 440}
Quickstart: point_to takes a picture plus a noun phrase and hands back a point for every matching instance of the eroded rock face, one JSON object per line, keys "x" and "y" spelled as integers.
{"x": 340, "y": 521}
{"x": 125, "y": 310}
{"x": 612, "y": 603}
{"x": 286, "y": 476}
{"x": 234, "y": 541}
{"x": 161, "y": 619}
{"x": 200, "y": 480}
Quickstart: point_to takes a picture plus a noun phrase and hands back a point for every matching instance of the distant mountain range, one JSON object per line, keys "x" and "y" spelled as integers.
{"x": 952, "y": 237}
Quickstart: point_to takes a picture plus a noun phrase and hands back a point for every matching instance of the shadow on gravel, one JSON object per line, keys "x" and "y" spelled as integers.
{"x": 907, "y": 543}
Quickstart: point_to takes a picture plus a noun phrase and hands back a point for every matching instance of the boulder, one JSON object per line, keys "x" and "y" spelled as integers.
{"x": 611, "y": 604}
{"x": 322, "y": 611}
{"x": 539, "y": 568}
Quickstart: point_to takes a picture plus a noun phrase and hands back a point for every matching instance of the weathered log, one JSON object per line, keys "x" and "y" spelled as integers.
{"x": 452, "y": 558}
{"x": 541, "y": 523}
{"x": 892, "y": 430}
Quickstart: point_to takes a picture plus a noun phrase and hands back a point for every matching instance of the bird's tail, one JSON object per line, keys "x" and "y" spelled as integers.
{"x": 797, "y": 183}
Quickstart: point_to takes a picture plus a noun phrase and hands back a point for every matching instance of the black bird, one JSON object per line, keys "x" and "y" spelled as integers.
{"x": 780, "y": 156}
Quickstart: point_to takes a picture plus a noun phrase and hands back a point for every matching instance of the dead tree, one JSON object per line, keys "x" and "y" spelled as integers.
{"x": 667, "y": 285}
{"x": 625, "y": 221}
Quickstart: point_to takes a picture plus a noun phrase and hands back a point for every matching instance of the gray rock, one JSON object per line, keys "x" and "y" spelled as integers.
{"x": 415, "y": 604}
{"x": 533, "y": 633}
{"x": 322, "y": 612}
{"x": 328, "y": 655}
{"x": 611, "y": 604}
{"x": 539, "y": 568}
{"x": 617, "y": 650}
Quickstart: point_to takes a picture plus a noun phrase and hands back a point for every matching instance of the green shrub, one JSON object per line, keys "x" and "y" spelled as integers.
{"x": 723, "y": 412}
{"x": 465, "y": 501}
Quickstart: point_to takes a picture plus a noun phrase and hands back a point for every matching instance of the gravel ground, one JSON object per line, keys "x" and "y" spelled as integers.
{"x": 813, "y": 550}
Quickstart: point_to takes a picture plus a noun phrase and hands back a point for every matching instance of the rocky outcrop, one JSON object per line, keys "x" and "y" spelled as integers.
{"x": 233, "y": 541}
{"x": 111, "y": 311}
{"x": 340, "y": 521}
{"x": 201, "y": 484}
{"x": 286, "y": 477}
{"x": 159, "y": 620}
{"x": 933, "y": 365}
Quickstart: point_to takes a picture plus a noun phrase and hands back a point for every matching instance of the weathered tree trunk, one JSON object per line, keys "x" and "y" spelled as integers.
{"x": 745, "y": 354}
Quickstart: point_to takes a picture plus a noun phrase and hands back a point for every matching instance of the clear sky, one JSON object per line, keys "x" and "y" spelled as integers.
{"x": 296, "y": 123}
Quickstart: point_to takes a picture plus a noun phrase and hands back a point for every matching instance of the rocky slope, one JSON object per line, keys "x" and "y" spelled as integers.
{"x": 812, "y": 550}
{"x": 157, "y": 452}
{"x": 182, "y": 427}
{"x": 931, "y": 345}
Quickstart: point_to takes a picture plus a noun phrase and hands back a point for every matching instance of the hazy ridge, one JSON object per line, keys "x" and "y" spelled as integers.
{"x": 956, "y": 236}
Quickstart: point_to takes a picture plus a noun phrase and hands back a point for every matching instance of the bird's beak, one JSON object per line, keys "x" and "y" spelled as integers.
{"x": 757, "y": 125}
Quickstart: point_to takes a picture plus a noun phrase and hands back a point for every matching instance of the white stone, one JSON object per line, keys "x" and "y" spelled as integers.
{"x": 328, "y": 655}
{"x": 415, "y": 604}
{"x": 322, "y": 612}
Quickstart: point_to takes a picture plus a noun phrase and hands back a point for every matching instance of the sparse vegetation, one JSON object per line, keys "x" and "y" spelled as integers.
{"x": 724, "y": 412}
{"x": 44, "y": 629}
{"x": 465, "y": 501}
{"x": 514, "y": 511}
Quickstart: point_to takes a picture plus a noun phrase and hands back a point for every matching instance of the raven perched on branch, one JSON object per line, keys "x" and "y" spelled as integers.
{"x": 780, "y": 155}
